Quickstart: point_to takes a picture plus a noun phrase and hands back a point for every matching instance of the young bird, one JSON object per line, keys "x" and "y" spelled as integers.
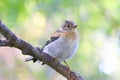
{"x": 63, "y": 43}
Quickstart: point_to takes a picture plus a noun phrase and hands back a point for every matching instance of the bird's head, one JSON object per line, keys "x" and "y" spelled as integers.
{"x": 68, "y": 26}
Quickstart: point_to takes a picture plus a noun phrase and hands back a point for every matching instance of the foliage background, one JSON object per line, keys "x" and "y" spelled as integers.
{"x": 34, "y": 20}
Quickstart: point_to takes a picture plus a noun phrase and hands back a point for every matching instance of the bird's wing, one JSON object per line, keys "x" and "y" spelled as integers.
{"x": 54, "y": 37}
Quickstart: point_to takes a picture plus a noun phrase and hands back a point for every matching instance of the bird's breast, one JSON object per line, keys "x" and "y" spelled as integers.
{"x": 63, "y": 48}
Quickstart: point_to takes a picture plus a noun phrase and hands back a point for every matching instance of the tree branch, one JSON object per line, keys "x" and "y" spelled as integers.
{"x": 13, "y": 41}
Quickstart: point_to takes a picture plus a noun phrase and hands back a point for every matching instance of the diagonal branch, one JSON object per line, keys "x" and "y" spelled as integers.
{"x": 13, "y": 41}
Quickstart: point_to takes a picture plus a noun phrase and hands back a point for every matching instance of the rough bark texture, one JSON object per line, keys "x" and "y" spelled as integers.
{"x": 27, "y": 49}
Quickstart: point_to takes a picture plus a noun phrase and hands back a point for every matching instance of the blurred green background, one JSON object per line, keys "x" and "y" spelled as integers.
{"x": 98, "y": 22}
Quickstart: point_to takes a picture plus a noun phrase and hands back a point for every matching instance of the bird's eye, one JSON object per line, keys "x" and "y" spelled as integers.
{"x": 67, "y": 26}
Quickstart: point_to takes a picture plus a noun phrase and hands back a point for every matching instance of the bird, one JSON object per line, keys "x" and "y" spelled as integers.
{"x": 63, "y": 43}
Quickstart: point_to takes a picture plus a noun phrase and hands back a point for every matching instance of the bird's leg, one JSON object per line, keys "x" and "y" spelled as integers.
{"x": 67, "y": 67}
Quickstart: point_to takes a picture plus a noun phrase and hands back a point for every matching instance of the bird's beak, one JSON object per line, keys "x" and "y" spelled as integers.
{"x": 75, "y": 26}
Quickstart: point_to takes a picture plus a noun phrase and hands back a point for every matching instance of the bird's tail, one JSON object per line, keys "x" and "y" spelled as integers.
{"x": 32, "y": 58}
